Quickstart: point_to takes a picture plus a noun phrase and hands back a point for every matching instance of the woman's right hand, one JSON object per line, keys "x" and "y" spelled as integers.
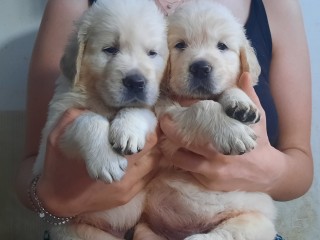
{"x": 65, "y": 188}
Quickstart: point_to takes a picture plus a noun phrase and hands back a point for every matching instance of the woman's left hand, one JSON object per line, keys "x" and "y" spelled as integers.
{"x": 254, "y": 171}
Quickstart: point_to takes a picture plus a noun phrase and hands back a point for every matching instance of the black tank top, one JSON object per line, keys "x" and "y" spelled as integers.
{"x": 258, "y": 32}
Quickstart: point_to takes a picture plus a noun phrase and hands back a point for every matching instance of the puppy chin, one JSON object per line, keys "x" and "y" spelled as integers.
{"x": 131, "y": 99}
{"x": 201, "y": 88}
{"x": 196, "y": 88}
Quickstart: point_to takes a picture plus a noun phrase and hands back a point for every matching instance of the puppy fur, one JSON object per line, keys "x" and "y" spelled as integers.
{"x": 112, "y": 66}
{"x": 205, "y": 43}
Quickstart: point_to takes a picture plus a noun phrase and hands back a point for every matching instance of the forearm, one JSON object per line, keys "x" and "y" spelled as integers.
{"x": 23, "y": 181}
{"x": 296, "y": 174}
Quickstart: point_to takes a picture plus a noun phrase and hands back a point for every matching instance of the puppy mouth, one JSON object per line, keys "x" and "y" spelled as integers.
{"x": 200, "y": 86}
{"x": 135, "y": 89}
{"x": 134, "y": 98}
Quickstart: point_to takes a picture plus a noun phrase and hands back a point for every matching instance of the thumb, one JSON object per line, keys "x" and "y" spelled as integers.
{"x": 66, "y": 119}
{"x": 245, "y": 83}
{"x": 168, "y": 127}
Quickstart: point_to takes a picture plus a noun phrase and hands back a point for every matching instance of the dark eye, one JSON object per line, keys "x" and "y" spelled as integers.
{"x": 111, "y": 50}
{"x": 181, "y": 45}
{"x": 221, "y": 46}
{"x": 152, "y": 53}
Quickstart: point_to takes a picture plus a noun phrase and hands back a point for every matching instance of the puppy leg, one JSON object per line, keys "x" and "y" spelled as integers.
{"x": 87, "y": 136}
{"x": 239, "y": 106}
{"x": 250, "y": 226}
{"x": 206, "y": 121}
{"x": 129, "y": 129}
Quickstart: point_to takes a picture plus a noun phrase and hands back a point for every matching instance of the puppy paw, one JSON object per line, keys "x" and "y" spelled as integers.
{"x": 243, "y": 111}
{"x": 235, "y": 139}
{"x": 126, "y": 142}
{"x": 239, "y": 106}
{"x": 111, "y": 168}
{"x": 129, "y": 130}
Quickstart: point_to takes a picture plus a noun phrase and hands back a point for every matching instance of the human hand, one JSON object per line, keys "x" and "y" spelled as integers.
{"x": 253, "y": 171}
{"x": 66, "y": 189}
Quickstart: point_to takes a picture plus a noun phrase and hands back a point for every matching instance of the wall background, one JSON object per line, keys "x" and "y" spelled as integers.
{"x": 19, "y": 21}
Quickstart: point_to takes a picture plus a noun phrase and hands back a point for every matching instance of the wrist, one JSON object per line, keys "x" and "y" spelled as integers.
{"x": 294, "y": 174}
{"x": 52, "y": 200}
{"x": 43, "y": 212}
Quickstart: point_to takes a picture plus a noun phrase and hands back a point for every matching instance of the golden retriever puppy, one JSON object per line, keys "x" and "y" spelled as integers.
{"x": 112, "y": 67}
{"x": 205, "y": 45}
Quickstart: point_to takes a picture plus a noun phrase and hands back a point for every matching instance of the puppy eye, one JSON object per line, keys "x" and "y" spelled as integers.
{"x": 152, "y": 53}
{"x": 111, "y": 50}
{"x": 221, "y": 46}
{"x": 181, "y": 45}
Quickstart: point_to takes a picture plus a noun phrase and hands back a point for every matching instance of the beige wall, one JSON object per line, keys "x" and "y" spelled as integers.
{"x": 19, "y": 20}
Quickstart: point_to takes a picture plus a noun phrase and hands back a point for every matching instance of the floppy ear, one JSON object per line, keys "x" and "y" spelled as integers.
{"x": 71, "y": 61}
{"x": 249, "y": 61}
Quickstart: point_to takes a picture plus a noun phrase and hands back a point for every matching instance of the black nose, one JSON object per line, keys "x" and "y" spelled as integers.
{"x": 200, "y": 69}
{"x": 134, "y": 82}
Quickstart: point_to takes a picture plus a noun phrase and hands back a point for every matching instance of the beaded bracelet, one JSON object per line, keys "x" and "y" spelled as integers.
{"x": 38, "y": 207}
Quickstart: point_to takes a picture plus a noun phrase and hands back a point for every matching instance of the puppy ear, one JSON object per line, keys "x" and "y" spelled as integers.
{"x": 249, "y": 61}
{"x": 71, "y": 61}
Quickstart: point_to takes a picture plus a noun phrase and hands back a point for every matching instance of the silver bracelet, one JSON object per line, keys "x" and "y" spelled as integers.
{"x": 38, "y": 207}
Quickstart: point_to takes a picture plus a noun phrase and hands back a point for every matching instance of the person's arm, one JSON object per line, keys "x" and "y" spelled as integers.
{"x": 64, "y": 187}
{"x": 284, "y": 173}
{"x": 56, "y": 25}
{"x": 290, "y": 80}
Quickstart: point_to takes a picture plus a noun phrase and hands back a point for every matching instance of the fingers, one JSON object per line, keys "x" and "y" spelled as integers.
{"x": 169, "y": 129}
{"x": 245, "y": 84}
{"x": 189, "y": 161}
{"x": 68, "y": 117}
{"x": 194, "y": 157}
{"x": 135, "y": 179}
{"x": 187, "y": 102}
{"x": 139, "y": 168}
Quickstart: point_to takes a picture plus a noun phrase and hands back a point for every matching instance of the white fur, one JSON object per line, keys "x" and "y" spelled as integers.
{"x": 139, "y": 122}
{"x": 119, "y": 116}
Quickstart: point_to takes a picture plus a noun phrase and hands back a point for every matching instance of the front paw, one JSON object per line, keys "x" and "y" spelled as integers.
{"x": 235, "y": 139}
{"x": 124, "y": 141}
{"x": 108, "y": 168}
{"x": 239, "y": 106}
{"x": 129, "y": 129}
{"x": 244, "y": 112}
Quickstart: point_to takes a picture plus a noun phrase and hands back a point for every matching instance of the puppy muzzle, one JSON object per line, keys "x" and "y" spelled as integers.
{"x": 200, "y": 78}
{"x": 200, "y": 69}
{"x": 134, "y": 83}
{"x": 135, "y": 89}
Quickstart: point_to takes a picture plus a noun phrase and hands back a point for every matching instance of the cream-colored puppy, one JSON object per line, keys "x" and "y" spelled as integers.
{"x": 206, "y": 44}
{"x": 112, "y": 67}
{"x": 205, "y": 49}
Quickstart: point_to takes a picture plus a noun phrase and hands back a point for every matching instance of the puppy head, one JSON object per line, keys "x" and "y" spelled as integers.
{"x": 119, "y": 52}
{"x": 205, "y": 42}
